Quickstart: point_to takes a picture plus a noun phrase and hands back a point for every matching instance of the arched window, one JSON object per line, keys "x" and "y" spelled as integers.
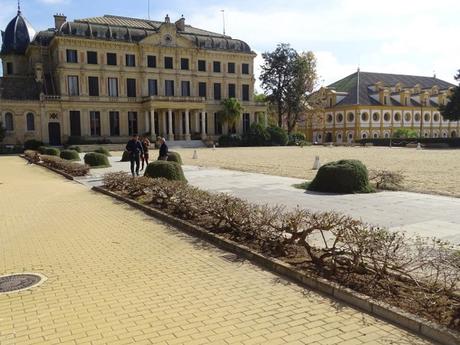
{"x": 436, "y": 117}
{"x": 9, "y": 125}
{"x": 30, "y": 118}
{"x": 376, "y": 135}
{"x": 453, "y": 134}
{"x": 387, "y": 135}
{"x": 364, "y": 136}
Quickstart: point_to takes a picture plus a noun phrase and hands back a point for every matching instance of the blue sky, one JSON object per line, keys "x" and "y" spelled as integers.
{"x": 392, "y": 36}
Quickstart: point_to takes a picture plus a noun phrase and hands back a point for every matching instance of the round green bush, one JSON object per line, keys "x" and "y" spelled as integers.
{"x": 230, "y": 140}
{"x": 344, "y": 176}
{"x": 70, "y": 155}
{"x": 42, "y": 149}
{"x": 103, "y": 151}
{"x": 75, "y": 148}
{"x": 174, "y": 157}
{"x": 295, "y": 138}
{"x": 99, "y": 160}
{"x": 51, "y": 151}
{"x": 278, "y": 136}
{"x": 125, "y": 157}
{"x": 257, "y": 135}
{"x": 166, "y": 169}
{"x": 32, "y": 144}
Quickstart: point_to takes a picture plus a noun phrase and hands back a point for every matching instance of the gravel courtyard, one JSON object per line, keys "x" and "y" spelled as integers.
{"x": 427, "y": 171}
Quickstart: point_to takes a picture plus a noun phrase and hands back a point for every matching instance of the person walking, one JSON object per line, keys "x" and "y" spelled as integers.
{"x": 163, "y": 156}
{"x": 134, "y": 147}
{"x": 145, "y": 148}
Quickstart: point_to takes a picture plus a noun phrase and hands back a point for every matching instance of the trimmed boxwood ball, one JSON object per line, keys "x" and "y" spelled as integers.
{"x": 96, "y": 160}
{"x": 166, "y": 169}
{"x": 32, "y": 144}
{"x": 51, "y": 151}
{"x": 104, "y": 151}
{"x": 344, "y": 176}
{"x": 278, "y": 136}
{"x": 75, "y": 148}
{"x": 125, "y": 157}
{"x": 174, "y": 157}
{"x": 42, "y": 149}
{"x": 70, "y": 155}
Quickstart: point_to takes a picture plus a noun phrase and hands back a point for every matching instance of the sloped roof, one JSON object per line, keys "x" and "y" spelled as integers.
{"x": 19, "y": 88}
{"x": 349, "y": 85}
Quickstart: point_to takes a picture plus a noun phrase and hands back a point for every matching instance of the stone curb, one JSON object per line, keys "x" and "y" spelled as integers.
{"x": 381, "y": 310}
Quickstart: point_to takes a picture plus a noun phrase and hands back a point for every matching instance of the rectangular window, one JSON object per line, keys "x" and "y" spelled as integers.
{"x": 185, "y": 88}
{"x": 30, "y": 119}
{"x": 245, "y": 68}
{"x": 231, "y": 67}
{"x": 217, "y": 124}
{"x": 72, "y": 56}
{"x": 95, "y": 123}
{"x": 93, "y": 86}
{"x": 132, "y": 122}
{"x": 169, "y": 88}
{"x": 184, "y": 64}
{"x": 153, "y": 87}
{"x": 202, "y": 65}
{"x": 246, "y": 122}
{"x": 130, "y": 60}
{"x": 202, "y": 89}
{"x": 217, "y": 92}
{"x": 9, "y": 68}
{"x": 113, "y": 87}
{"x": 112, "y": 59}
{"x": 114, "y": 119}
{"x": 91, "y": 58}
{"x": 151, "y": 61}
{"x": 75, "y": 124}
{"x": 169, "y": 62}
{"x": 245, "y": 92}
{"x": 73, "y": 85}
{"x": 131, "y": 87}
{"x": 216, "y": 65}
{"x": 231, "y": 90}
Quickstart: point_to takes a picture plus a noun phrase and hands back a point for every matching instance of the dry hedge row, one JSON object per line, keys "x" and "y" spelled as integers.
{"x": 71, "y": 168}
{"x": 367, "y": 258}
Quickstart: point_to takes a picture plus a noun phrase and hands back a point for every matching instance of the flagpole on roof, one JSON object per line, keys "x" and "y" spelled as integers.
{"x": 357, "y": 89}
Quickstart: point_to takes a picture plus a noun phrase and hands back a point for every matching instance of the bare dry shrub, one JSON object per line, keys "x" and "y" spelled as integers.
{"x": 71, "y": 168}
{"x": 386, "y": 180}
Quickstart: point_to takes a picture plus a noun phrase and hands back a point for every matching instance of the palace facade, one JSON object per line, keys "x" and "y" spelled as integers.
{"x": 110, "y": 77}
{"x": 374, "y": 105}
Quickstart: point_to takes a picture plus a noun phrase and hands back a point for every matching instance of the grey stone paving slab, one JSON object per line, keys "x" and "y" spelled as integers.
{"x": 427, "y": 215}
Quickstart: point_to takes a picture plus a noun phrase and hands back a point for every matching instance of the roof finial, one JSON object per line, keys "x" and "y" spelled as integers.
{"x": 19, "y": 7}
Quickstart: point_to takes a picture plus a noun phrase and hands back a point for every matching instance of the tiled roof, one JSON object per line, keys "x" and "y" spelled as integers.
{"x": 19, "y": 88}
{"x": 349, "y": 84}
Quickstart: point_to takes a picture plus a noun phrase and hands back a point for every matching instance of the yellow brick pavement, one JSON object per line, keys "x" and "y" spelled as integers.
{"x": 116, "y": 276}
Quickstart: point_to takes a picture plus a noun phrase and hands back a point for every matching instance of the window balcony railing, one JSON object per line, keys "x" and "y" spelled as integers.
{"x": 185, "y": 99}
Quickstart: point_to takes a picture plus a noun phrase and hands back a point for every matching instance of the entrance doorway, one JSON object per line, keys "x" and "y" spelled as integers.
{"x": 329, "y": 137}
{"x": 54, "y": 130}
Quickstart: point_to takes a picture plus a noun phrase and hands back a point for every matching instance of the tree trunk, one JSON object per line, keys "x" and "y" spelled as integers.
{"x": 280, "y": 116}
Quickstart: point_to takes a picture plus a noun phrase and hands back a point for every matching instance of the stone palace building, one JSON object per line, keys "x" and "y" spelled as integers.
{"x": 110, "y": 77}
{"x": 373, "y": 105}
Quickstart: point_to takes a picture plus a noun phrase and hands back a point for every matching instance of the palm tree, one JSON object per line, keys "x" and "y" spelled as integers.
{"x": 231, "y": 112}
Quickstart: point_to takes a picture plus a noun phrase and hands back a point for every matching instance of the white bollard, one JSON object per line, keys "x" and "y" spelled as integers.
{"x": 419, "y": 146}
{"x": 214, "y": 147}
{"x": 195, "y": 155}
{"x": 317, "y": 163}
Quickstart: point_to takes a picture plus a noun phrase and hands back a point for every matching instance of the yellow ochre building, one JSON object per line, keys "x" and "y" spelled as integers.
{"x": 367, "y": 105}
{"x": 106, "y": 78}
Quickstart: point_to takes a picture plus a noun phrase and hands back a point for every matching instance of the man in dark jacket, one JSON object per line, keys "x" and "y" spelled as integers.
{"x": 134, "y": 147}
{"x": 163, "y": 156}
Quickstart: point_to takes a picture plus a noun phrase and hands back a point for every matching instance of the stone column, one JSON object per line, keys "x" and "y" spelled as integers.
{"x": 153, "y": 130}
{"x": 170, "y": 125}
{"x": 165, "y": 131}
{"x": 146, "y": 118}
{"x": 266, "y": 119}
{"x": 188, "y": 137}
{"x": 197, "y": 121}
{"x": 203, "y": 125}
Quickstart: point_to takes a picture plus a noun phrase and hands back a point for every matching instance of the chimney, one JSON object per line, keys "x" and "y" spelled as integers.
{"x": 59, "y": 19}
{"x": 180, "y": 24}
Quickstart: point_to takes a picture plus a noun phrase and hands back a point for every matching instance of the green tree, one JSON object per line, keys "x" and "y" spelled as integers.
{"x": 451, "y": 111}
{"x": 277, "y": 74}
{"x": 2, "y": 132}
{"x": 231, "y": 112}
{"x": 287, "y": 79}
{"x": 405, "y": 133}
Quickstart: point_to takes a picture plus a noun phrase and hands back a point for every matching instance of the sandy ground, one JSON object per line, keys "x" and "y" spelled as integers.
{"x": 427, "y": 171}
